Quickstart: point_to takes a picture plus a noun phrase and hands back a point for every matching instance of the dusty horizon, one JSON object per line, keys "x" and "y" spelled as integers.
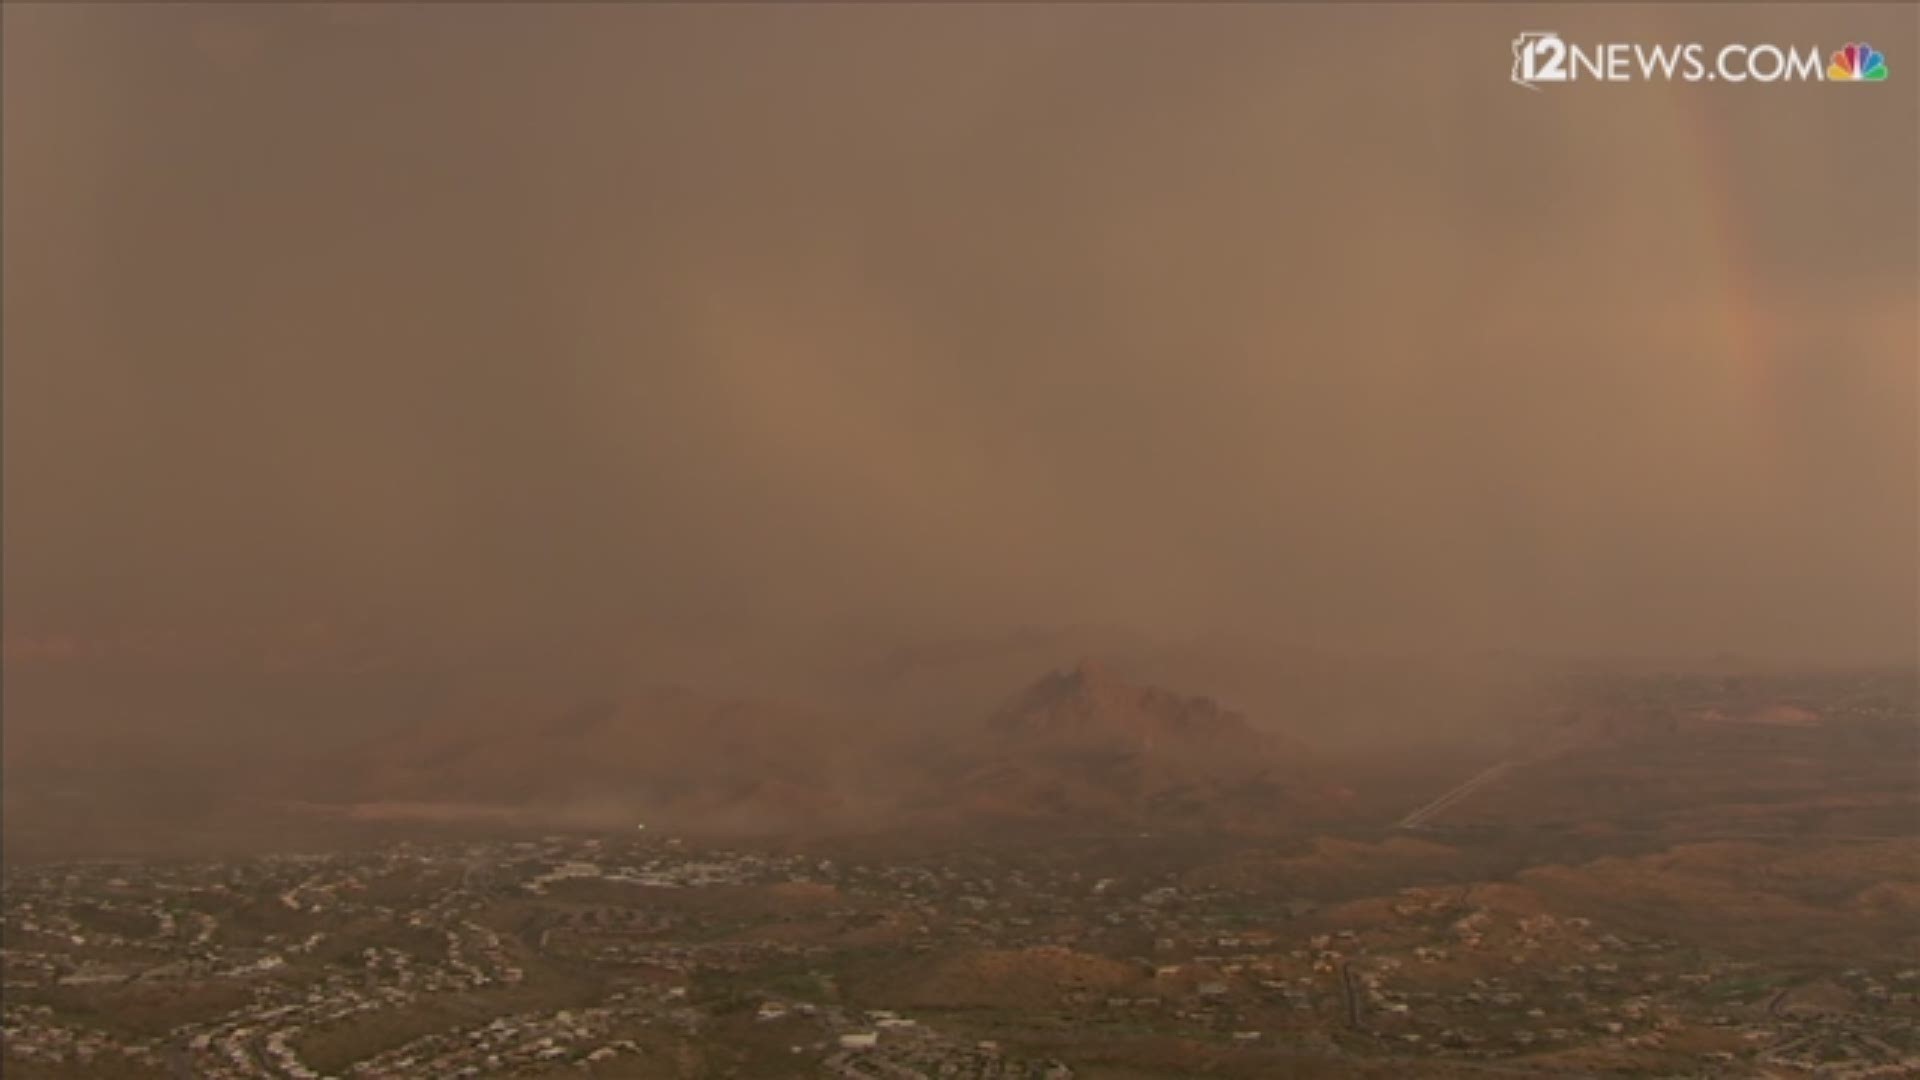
{"x": 497, "y": 323}
{"x": 967, "y": 540}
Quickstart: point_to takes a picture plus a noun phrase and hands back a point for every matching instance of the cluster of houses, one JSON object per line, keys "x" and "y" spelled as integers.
{"x": 318, "y": 945}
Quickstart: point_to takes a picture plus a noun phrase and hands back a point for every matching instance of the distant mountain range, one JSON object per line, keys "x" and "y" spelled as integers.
{"x": 841, "y": 731}
{"x": 666, "y": 755}
{"x": 1079, "y": 745}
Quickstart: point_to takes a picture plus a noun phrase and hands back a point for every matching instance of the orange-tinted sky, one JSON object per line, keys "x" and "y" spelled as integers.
{"x": 1300, "y": 319}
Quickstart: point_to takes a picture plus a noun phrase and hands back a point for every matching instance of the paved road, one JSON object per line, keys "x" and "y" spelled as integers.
{"x": 1472, "y": 784}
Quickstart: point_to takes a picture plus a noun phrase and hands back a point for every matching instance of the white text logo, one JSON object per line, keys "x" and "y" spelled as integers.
{"x": 1543, "y": 56}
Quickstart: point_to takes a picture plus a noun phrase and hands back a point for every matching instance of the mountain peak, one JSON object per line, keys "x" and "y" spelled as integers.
{"x": 1088, "y": 700}
{"x": 1082, "y": 740}
{"x": 1089, "y": 670}
{"x": 1085, "y": 678}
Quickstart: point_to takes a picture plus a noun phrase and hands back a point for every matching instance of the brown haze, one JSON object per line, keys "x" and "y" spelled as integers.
{"x": 1094, "y": 542}
{"x": 1297, "y": 321}
{"x": 840, "y": 355}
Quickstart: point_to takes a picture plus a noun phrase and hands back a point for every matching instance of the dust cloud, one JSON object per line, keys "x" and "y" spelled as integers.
{"x": 515, "y": 323}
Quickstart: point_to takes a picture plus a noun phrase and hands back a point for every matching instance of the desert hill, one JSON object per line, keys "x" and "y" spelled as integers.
{"x": 347, "y": 725}
{"x": 666, "y": 754}
{"x": 1079, "y": 745}
{"x": 1084, "y": 744}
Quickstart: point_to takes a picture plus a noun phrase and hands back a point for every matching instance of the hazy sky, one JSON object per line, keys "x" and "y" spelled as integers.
{"x": 1291, "y": 318}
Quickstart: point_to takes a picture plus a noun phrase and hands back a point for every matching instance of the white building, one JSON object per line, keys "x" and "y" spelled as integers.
{"x": 861, "y": 1040}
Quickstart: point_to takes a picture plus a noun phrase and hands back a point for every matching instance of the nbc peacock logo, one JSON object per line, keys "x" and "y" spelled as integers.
{"x": 1858, "y": 62}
